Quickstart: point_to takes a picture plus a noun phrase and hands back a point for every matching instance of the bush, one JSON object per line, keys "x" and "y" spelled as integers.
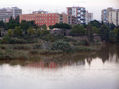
{"x": 82, "y": 42}
{"x": 61, "y": 45}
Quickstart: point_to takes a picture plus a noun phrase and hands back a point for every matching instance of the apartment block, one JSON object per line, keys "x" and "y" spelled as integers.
{"x": 88, "y": 17}
{"x": 72, "y": 20}
{"x": 111, "y": 16}
{"x": 79, "y": 15}
{"x": 78, "y": 12}
{"x": 118, "y": 16}
{"x": 45, "y": 18}
{"x": 6, "y": 13}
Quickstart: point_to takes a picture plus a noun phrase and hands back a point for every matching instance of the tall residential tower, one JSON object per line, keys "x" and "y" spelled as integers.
{"x": 111, "y": 16}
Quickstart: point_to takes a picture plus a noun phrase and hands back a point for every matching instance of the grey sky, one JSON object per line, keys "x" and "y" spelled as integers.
{"x": 94, "y": 6}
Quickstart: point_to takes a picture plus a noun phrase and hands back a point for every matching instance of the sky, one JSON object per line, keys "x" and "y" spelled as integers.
{"x": 93, "y": 6}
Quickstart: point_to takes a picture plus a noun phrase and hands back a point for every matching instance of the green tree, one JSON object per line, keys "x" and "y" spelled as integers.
{"x": 117, "y": 38}
{"x": 10, "y": 32}
{"x": 104, "y": 32}
{"x": 61, "y": 26}
{"x": 90, "y": 33}
{"x": 61, "y": 45}
{"x": 78, "y": 30}
{"x": 31, "y": 31}
{"x": 18, "y": 31}
{"x": 95, "y": 23}
{"x": 44, "y": 27}
{"x": 95, "y": 30}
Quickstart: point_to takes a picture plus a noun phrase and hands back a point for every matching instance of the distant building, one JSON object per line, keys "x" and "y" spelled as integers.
{"x": 6, "y": 13}
{"x": 45, "y": 18}
{"x": 111, "y": 16}
{"x": 40, "y": 12}
{"x": 88, "y": 17}
{"x": 79, "y": 15}
{"x": 72, "y": 20}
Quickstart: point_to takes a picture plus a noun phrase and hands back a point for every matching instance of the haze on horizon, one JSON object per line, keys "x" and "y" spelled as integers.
{"x": 93, "y": 6}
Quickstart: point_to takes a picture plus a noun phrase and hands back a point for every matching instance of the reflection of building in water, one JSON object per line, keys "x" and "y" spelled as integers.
{"x": 52, "y": 65}
{"x": 43, "y": 65}
{"x": 89, "y": 60}
{"x": 114, "y": 58}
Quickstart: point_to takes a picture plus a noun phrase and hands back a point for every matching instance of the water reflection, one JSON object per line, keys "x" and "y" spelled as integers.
{"x": 108, "y": 53}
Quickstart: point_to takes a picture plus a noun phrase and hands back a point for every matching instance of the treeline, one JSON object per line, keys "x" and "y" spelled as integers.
{"x": 107, "y": 32}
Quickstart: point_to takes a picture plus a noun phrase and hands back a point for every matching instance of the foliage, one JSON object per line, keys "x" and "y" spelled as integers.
{"x": 43, "y": 32}
{"x": 117, "y": 38}
{"x": 61, "y": 25}
{"x": 44, "y": 27}
{"x": 95, "y": 23}
{"x": 31, "y": 31}
{"x": 5, "y": 39}
{"x": 18, "y": 31}
{"x": 104, "y": 31}
{"x": 78, "y": 30}
{"x": 61, "y": 45}
{"x": 10, "y": 32}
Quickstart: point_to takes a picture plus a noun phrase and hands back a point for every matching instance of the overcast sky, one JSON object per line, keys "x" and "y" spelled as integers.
{"x": 94, "y": 6}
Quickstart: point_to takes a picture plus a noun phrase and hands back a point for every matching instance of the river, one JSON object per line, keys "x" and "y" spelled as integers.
{"x": 98, "y": 70}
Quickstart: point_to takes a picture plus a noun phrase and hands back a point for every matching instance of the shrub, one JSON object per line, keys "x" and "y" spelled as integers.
{"x": 61, "y": 45}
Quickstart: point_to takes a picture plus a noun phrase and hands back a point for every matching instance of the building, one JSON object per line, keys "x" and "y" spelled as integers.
{"x": 40, "y": 12}
{"x": 72, "y": 20}
{"x": 78, "y": 12}
{"x": 6, "y": 13}
{"x": 111, "y": 16}
{"x": 104, "y": 16}
{"x": 45, "y": 18}
{"x": 118, "y": 16}
{"x": 88, "y": 17}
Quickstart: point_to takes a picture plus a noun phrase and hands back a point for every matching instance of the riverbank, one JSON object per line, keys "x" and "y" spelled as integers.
{"x": 35, "y": 52}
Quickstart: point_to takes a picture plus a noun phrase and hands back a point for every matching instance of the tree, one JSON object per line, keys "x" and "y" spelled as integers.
{"x": 90, "y": 33}
{"x": 95, "y": 23}
{"x": 31, "y": 31}
{"x": 12, "y": 23}
{"x": 61, "y": 26}
{"x": 18, "y": 31}
{"x": 104, "y": 32}
{"x": 95, "y": 30}
{"x": 17, "y": 20}
{"x": 2, "y": 24}
{"x": 117, "y": 38}
{"x": 10, "y": 32}
{"x": 78, "y": 30}
{"x": 44, "y": 27}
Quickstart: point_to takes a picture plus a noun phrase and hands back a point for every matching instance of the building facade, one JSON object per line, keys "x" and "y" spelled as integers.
{"x": 79, "y": 15}
{"x": 88, "y": 17}
{"x": 6, "y": 13}
{"x": 72, "y": 20}
{"x": 118, "y": 16}
{"x": 111, "y": 16}
{"x": 45, "y": 18}
{"x": 78, "y": 12}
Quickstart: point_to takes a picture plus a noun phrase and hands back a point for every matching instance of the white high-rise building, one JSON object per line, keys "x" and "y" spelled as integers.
{"x": 111, "y": 16}
{"x": 79, "y": 13}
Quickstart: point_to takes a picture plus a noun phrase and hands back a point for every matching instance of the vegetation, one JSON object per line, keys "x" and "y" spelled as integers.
{"x": 61, "y": 45}
{"x": 31, "y": 41}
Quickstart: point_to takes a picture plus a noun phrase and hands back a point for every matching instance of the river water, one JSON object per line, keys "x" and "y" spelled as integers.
{"x": 98, "y": 70}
